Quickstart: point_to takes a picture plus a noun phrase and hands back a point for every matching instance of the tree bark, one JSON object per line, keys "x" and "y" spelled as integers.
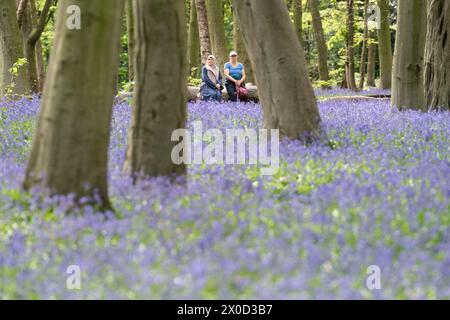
{"x": 384, "y": 46}
{"x": 371, "y": 59}
{"x": 322, "y": 50}
{"x": 31, "y": 33}
{"x": 203, "y": 30}
{"x": 40, "y": 66}
{"x": 12, "y": 51}
{"x": 286, "y": 94}
{"x": 298, "y": 19}
{"x": 160, "y": 101}
{"x": 69, "y": 151}
{"x": 350, "y": 61}
{"x": 407, "y": 76}
{"x": 240, "y": 48}
{"x": 216, "y": 27}
{"x": 193, "y": 39}
{"x": 437, "y": 55}
{"x": 131, "y": 39}
{"x": 362, "y": 66}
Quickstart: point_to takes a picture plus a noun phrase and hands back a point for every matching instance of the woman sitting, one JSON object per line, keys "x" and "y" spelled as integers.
{"x": 235, "y": 76}
{"x": 211, "y": 88}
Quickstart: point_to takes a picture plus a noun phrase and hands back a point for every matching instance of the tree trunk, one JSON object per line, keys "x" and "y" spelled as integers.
{"x": 322, "y": 50}
{"x": 384, "y": 46}
{"x": 31, "y": 33}
{"x": 193, "y": 39}
{"x": 239, "y": 46}
{"x": 286, "y": 94}
{"x": 160, "y": 101}
{"x": 298, "y": 19}
{"x": 40, "y": 66}
{"x": 216, "y": 27}
{"x": 69, "y": 152}
{"x": 203, "y": 30}
{"x": 437, "y": 55}
{"x": 362, "y": 66}
{"x": 12, "y": 51}
{"x": 407, "y": 76}
{"x": 350, "y": 61}
{"x": 371, "y": 58}
{"x": 131, "y": 39}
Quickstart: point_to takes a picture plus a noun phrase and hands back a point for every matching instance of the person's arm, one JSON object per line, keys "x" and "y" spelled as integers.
{"x": 207, "y": 80}
{"x": 227, "y": 74}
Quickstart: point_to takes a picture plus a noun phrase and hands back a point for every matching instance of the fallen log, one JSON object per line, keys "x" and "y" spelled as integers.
{"x": 193, "y": 93}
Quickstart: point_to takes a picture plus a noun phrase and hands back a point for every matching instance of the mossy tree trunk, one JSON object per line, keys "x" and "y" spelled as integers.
{"x": 160, "y": 98}
{"x": 407, "y": 76}
{"x": 70, "y": 145}
{"x": 285, "y": 91}
{"x": 131, "y": 38}
{"x": 12, "y": 50}
{"x": 385, "y": 46}
{"x": 216, "y": 27}
{"x": 322, "y": 50}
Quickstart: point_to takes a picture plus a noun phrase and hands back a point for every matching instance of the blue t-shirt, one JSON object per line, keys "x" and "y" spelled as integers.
{"x": 235, "y": 72}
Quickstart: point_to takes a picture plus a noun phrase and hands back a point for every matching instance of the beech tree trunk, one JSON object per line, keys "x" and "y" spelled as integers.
{"x": 286, "y": 94}
{"x": 216, "y": 27}
{"x": 203, "y": 30}
{"x": 322, "y": 50}
{"x": 12, "y": 50}
{"x": 362, "y": 65}
{"x": 371, "y": 58}
{"x": 240, "y": 48}
{"x": 131, "y": 39}
{"x": 160, "y": 99}
{"x": 407, "y": 76}
{"x": 437, "y": 55}
{"x": 350, "y": 61}
{"x": 384, "y": 46}
{"x": 298, "y": 19}
{"x": 40, "y": 66}
{"x": 69, "y": 151}
{"x": 193, "y": 39}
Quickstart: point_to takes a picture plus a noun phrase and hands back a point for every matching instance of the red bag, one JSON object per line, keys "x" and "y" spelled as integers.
{"x": 242, "y": 94}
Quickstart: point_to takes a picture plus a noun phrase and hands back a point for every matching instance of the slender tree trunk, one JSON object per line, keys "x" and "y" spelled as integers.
{"x": 160, "y": 101}
{"x": 286, "y": 94}
{"x": 216, "y": 27}
{"x": 371, "y": 58}
{"x": 350, "y": 61}
{"x": 193, "y": 39}
{"x": 131, "y": 39}
{"x": 322, "y": 50}
{"x": 205, "y": 42}
{"x": 362, "y": 67}
{"x": 40, "y": 66}
{"x": 437, "y": 55}
{"x": 31, "y": 33}
{"x": 239, "y": 46}
{"x": 12, "y": 51}
{"x": 384, "y": 46}
{"x": 69, "y": 152}
{"x": 407, "y": 76}
{"x": 298, "y": 19}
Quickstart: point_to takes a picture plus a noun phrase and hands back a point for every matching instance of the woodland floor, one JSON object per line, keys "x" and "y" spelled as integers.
{"x": 376, "y": 194}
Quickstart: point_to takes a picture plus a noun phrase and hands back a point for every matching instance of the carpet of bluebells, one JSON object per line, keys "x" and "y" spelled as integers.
{"x": 377, "y": 193}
